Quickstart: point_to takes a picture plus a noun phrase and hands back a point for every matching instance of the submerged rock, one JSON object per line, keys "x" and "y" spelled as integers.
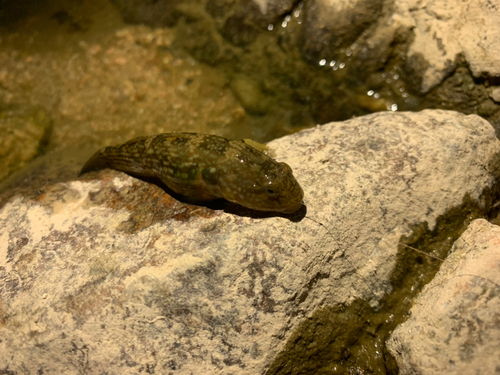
{"x": 454, "y": 326}
{"x": 23, "y": 135}
{"x": 111, "y": 274}
{"x": 250, "y": 95}
{"x": 332, "y": 25}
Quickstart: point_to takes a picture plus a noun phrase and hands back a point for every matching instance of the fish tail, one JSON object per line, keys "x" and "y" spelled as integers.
{"x": 97, "y": 162}
{"x": 127, "y": 158}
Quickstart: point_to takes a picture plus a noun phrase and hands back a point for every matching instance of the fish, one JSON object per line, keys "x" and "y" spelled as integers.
{"x": 204, "y": 167}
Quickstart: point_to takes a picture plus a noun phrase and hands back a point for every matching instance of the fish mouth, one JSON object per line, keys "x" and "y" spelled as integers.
{"x": 292, "y": 209}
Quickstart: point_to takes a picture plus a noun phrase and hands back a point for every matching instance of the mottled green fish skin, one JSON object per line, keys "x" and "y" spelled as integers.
{"x": 204, "y": 167}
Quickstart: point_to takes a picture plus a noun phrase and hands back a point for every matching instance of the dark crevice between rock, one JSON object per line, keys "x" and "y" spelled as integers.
{"x": 351, "y": 339}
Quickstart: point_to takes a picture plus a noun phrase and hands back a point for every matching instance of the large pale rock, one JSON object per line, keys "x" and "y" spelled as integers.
{"x": 454, "y": 326}
{"x": 110, "y": 274}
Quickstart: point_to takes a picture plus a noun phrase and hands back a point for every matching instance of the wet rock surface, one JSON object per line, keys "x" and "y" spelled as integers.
{"x": 110, "y": 273}
{"x": 446, "y": 29}
{"x": 332, "y": 25}
{"x": 454, "y": 326}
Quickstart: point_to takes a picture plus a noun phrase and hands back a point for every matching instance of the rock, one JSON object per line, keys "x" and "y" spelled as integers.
{"x": 495, "y": 94}
{"x": 443, "y": 30}
{"x": 23, "y": 135}
{"x": 239, "y": 32}
{"x": 272, "y": 9}
{"x": 111, "y": 274}
{"x": 153, "y": 13}
{"x": 167, "y": 12}
{"x": 454, "y": 326}
{"x": 250, "y": 95}
{"x": 330, "y": 25}
{"x": 487, "y": 108}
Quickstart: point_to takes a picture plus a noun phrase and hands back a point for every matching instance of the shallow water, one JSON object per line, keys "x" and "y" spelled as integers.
{"x": 104, "y": 82}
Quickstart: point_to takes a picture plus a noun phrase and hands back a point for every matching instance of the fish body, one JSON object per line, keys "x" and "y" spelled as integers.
{"x": 204, "y": 167}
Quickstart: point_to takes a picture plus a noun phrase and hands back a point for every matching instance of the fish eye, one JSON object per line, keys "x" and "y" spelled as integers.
{"x": 272, "y": 191}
